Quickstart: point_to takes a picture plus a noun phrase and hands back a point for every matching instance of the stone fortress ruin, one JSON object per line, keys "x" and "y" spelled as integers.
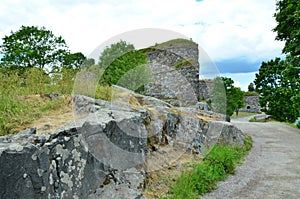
{"x": 111, "y": 151}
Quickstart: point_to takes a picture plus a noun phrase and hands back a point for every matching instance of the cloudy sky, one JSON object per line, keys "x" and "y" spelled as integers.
{"x": 235, "y": 34}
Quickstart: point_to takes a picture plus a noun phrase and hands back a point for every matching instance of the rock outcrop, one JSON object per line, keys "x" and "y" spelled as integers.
{"x": 108, "y": 153}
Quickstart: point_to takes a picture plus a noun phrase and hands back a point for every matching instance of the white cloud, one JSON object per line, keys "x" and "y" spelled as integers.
{"x": 241, "y": 80}
{"x": 224, "y": 29}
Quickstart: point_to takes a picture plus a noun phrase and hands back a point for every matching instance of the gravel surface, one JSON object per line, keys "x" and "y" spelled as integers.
{"x": 271, "y": 170}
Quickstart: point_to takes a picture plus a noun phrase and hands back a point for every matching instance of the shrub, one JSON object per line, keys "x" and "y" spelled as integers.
{"x": 298, "y": 124}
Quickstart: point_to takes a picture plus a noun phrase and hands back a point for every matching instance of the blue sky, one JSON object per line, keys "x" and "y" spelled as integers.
{"x": 235, "y": 34}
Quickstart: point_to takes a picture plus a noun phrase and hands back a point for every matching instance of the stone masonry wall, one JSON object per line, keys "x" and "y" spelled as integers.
{"x": 177, "y": 85}
{"x": 205, "y": 87}
{"x": 251, "y": 104}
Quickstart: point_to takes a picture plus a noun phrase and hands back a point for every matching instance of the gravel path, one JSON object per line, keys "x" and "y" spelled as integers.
{"x": 271, "y": 170}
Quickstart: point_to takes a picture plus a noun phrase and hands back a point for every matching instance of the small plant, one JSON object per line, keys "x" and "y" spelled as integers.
{"x": 103, "y": 92}
{"x": 185, "y": 62}
{"x": 217, "y": 164}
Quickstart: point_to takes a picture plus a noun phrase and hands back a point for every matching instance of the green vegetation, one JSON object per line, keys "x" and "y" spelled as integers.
{"x": 243, "y": 114}
{"x": 278, "y": 80}
{"x": 225, "y": 97}
{"x": 217, "y": 164}
{"x": 278, "y": 85}
{"x": 114, "y": 51}
{"x": 36, "y": 64}
{"x": 185, "y": 62}
{"x": 251, "y": 93}
{"x": 22, "y": 97}
{"x": 288, "y": 25}
{"x": 251, "y": 87}
{"x": 175, "y": 42}
{"x": 32, "y": 46}
{"x": 124, "y": 66}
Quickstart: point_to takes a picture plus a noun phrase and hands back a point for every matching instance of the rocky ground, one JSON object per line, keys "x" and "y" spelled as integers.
{"x": 272, "y": 169}
{"x": 111, "y": 153}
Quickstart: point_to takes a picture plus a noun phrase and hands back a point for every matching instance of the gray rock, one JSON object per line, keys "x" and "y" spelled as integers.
{"x": 202, "y": 106}
{"x": 105, "y": 154}
{"x": 224, "y": 132}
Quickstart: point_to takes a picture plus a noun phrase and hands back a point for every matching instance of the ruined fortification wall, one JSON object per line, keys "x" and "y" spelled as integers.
{"x": 176, "y": 74}
{"x": 251, "y": 104}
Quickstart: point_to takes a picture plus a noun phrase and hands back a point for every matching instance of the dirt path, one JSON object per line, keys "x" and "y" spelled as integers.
{"x": 271, "y": 170}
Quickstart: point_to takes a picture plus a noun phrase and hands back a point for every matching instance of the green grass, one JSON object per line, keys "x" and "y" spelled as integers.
{"x": 20, "y": 101}
{"x": 176, "y": 42}
{"x": 17, "y": 111}
{"x": 251, "y": 93}
{"x": 185, "y": 62}
{"x": 203, "y": 177}
{"x": 21, "y": 105}
{"x": 243, "y": 114}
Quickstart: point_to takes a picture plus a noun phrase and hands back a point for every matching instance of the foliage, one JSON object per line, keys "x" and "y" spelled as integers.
{"x": 33, "y": 46}
{"x": 86, "y": 82}
{"x": 131, "y": 61}
{"x": 278, "y": 85}
{"x": 288, "y": 25}
{"x": 175, "y": 42}
{"x": 103, "y": 92}
{"x": 17, "y": 111}
{"x": 87, "y": 63}
{"x": 63, "y": 80}
{"x": 114, "y": 51}
{"x": 251, "y": 93}
{"x": 217, "y": 165}
{"x": 20, "y": 95}
{"x": 225, "y": 97}
{"x": 136, "y": 78}
{"x": 298, "y": 124}
{"x": 251, "y": 87}
{"x": 73, "y": 60}
{"x": 278, "y": 80}
{"x": 185, "y": 62}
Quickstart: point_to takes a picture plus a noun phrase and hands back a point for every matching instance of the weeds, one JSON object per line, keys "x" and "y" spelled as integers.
{"x": 216, "y": 166}
{"x": 20, "y": 101}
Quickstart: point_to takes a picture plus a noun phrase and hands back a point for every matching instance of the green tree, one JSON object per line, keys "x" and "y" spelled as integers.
{"x": 123, "y": 65}
{"x": 88, "y": 62}
{"x": 278, "y": 80}
{"x": 73, "y": 60}
{"x": 32, "y": 46}
{"x": 288, "y": 25}
{"x": 251, "y": 87}
{"x": 278, "y": 85}
{"x": 225, "y": 97}
{"x": 114, "y": 51}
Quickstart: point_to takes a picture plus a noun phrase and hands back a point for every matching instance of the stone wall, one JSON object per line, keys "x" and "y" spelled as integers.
{"x": 175, "y": 83}
{"x": 251, "y": 104}
{"x": 205, "y": 87}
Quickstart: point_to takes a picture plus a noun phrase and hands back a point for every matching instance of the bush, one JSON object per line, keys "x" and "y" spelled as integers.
{"x": 298, "y": 124}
